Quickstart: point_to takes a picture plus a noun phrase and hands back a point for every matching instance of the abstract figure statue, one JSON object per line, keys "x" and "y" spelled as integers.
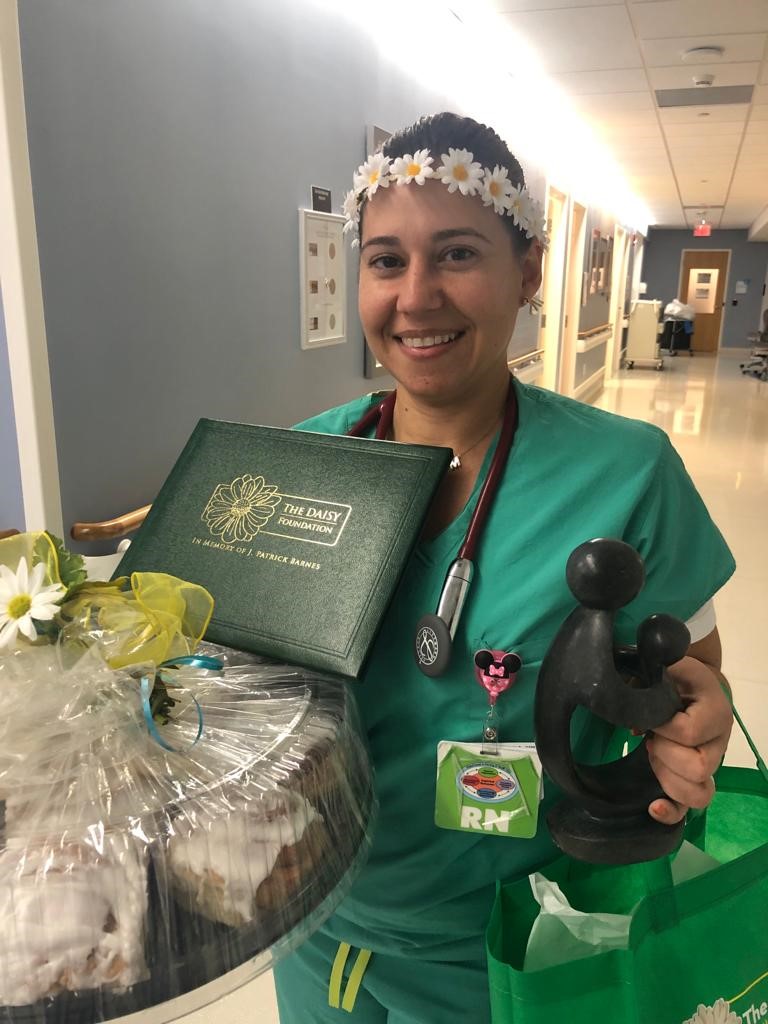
{"x": 604, "y": 818}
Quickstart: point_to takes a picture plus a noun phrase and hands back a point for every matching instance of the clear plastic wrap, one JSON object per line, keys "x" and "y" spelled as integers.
{"x": 131, "y": 874}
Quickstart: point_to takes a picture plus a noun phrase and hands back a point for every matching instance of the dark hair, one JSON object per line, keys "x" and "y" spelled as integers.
{"x": 438, "y": 132}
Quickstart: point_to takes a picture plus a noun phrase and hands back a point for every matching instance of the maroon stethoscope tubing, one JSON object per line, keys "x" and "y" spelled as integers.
{"x": 435, "y": 633}
{"x": 382, "y": 414}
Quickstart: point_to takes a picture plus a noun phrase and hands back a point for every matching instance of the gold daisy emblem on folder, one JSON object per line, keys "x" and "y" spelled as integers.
{"x": 237, "y": 511}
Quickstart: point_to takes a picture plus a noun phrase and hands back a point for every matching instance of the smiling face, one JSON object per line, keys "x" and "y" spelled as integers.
{"x": 440, "y": 289}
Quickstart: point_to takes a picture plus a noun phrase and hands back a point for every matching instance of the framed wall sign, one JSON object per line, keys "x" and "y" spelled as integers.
{"x": 323, "y": 279}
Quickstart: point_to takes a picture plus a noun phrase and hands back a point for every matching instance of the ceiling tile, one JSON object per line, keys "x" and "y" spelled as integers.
{"x": 628, "y": 128}
{"x": 518, "y": 6}
{"x": 736, "y": 112}
{"x": 677, "y": 17}
{"x": 664, "y": 52}
{"x": 630, "y": 147}
{"x": 740, "y": 216}
{"x": 764, "y": 73}
{"x": 759, "y": 113}
{"x": 760, "y": 94}
{"x": 711, "y": 183}
{"x": 612, "y": 104}
{"x": 754, "y": 162}
{"x": 744, "y": 198}
{"x": 579, "y": 38}
{"x": 681, "y": 77}
{"x": 704, "y": 128}
{"x": 754, "y": 145}
{"x": 580, "y": 83}
{"x": 703, "y": 199}
{"x": 694, "y": 216}
{"x": 708, "y": 148}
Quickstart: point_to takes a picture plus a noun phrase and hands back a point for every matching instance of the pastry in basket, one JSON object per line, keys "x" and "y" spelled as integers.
{"x": 254, "y": 857}
{"x": 71, "y": 917}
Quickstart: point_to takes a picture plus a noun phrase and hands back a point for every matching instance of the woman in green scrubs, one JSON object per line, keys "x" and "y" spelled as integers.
{"x": 444, "y": 272}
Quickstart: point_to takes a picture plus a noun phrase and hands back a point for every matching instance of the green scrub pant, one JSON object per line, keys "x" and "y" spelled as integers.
{"x": 318, "y": 984}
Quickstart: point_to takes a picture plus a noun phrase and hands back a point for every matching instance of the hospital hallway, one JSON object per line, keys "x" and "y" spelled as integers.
{"x": 717, "y": 419}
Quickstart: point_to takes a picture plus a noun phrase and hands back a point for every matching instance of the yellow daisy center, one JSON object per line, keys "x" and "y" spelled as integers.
{"x": 460, "y": 172}
{"x": 413, "y": 169}
{"x": 373, "y": 177}
{"x": 19, "y": 606}
{"x": 494, "y": 188}
{"x": 241, "y": 507}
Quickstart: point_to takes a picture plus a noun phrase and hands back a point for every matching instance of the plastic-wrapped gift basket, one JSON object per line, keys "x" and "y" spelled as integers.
{"x": 165, "y": 821}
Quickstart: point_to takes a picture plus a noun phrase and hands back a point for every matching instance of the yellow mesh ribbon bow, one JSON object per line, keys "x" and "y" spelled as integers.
{"x": 35, "y": 547}
{"x": 158, "y": 618}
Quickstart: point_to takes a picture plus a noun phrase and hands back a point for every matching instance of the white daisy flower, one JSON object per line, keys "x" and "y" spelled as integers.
{"x": 459, "y": 171}
{"x": 497, "y": 189}
{"x": 351, "y": 211}
{"x": 413, "y": 168}
{"x": 720, "y": 1013}
{"x": 24, "y": 600}
{"x": 517, "y": 205}
{"x": 371, "y": 174}
{"x": 536, "y": 226}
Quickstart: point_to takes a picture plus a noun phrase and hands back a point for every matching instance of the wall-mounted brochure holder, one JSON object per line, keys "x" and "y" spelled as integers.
{"x": 323, "y": 279}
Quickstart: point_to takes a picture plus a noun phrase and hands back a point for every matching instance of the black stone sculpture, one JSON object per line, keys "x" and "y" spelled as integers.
{"x": 604, "y": 818}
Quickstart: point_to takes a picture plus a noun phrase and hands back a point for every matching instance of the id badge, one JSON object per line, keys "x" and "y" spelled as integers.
{"x": 491, "y": 794}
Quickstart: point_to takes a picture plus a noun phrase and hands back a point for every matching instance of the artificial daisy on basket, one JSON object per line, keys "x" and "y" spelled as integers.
{"x": 46, "y": 597}
{"x": 34, "y": 580}
{"x": 25, "y": 601}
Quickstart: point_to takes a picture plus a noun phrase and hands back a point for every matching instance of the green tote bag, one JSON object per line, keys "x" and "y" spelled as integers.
{"x": 697, "y": 951}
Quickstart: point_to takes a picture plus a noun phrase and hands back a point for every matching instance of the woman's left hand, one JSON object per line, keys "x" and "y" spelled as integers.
{"x": 687, "y": 750}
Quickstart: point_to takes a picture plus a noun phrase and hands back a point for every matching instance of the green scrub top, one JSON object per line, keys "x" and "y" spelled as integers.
{"x": 574, "y": 473}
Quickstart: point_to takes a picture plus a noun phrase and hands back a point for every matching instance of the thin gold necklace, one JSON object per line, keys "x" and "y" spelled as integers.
{"x": 455, "y": 462}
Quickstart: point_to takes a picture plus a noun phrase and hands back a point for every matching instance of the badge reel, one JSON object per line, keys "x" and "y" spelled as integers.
{"x": 490, "y": 787}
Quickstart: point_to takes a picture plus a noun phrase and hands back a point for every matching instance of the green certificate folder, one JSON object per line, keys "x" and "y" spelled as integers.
{"x": 301, "y": 538}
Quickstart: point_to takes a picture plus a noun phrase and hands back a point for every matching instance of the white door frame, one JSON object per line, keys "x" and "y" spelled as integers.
{"x": 23, "y": 296}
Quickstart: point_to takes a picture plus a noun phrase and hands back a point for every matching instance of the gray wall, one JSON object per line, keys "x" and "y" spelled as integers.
{"x": 11, "y": 501}
{"x": 171, "y": 144}
{"x": 661, "y": 272}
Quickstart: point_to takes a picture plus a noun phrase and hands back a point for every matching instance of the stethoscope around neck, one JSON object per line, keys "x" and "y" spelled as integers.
{"x": 433, "y": 640}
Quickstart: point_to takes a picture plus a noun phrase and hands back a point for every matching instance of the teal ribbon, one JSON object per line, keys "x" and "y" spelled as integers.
{"x": 193, "y": 661}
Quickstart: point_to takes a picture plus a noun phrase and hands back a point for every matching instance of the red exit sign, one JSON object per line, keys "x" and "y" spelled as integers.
{"x": 702, "y": 230}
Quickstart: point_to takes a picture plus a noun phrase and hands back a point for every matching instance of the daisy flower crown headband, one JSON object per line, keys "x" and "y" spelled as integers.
{"x": 459, "y": 171}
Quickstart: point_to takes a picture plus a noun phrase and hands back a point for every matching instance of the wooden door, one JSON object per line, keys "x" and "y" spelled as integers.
{"x": 702, "y": 285}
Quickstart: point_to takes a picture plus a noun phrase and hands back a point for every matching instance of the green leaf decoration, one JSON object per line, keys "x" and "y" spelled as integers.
{"x": 71, "y": 566}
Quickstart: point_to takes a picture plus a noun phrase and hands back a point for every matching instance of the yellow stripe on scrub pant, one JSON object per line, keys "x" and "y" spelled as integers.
{"x": 353, "y": 982}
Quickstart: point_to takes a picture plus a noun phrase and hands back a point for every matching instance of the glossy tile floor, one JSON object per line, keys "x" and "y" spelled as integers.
{"x": 718, "y": 421}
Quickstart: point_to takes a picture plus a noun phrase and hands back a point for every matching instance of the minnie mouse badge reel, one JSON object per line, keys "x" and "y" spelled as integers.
{"x": 495, "y": 671}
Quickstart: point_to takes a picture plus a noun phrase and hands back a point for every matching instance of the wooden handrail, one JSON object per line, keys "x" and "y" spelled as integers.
{"x": 8, "y": 533}
{"x": 110, "y": 527}
{"x": 527, "y": 357}
{"x": 582, "y": 335}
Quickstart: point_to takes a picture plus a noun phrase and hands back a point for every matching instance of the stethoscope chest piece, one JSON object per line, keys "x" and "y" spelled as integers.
{"x": 432, "y": 647}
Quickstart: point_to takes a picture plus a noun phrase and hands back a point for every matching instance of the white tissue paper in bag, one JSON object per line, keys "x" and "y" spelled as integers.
{"x": 561, "y": 934}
